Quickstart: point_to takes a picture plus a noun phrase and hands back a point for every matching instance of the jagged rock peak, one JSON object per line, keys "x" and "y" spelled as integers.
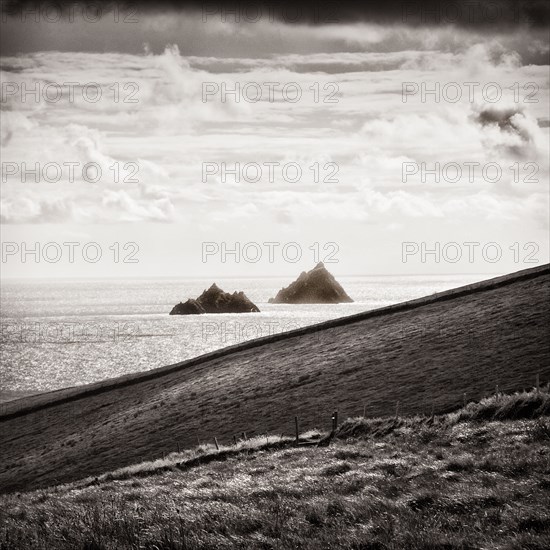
{"x": 215, "y": 300}
{"x": 317, "y": 286}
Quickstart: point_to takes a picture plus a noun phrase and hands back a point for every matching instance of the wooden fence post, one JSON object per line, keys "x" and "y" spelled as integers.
{"x": 297, "y": 429}
{"x": 216, "y": 442}
{"x": 235, "y": 440}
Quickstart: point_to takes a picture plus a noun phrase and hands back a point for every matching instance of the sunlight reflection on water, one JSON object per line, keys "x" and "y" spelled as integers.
{"x": 66, "y": 333}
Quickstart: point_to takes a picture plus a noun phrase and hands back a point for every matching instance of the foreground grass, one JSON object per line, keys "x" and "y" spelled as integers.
{"x": 458, "y": 481}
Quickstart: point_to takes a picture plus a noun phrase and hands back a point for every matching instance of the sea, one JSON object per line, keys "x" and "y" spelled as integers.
{"x": 61, "y": 333}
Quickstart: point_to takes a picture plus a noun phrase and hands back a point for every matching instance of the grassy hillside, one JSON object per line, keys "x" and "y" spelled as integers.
{"x": 425, "y": 354}
{"x": 478, "y": 478}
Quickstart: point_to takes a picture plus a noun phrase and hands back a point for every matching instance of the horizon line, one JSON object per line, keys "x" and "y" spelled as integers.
{"x": 197, "y": 277}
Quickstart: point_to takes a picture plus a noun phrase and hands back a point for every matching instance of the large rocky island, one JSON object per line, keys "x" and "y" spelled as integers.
{"x": 215, "y": 300}
{"x": 317, "y": 286}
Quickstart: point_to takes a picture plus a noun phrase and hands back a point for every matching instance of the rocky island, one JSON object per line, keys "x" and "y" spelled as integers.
{"x": 215, "y": 300}
{"x": 317, "y": 286}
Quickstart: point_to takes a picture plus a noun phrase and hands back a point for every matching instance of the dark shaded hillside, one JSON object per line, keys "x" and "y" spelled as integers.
{"x": 425, "y": 354}
{"x": 473, "y": 479}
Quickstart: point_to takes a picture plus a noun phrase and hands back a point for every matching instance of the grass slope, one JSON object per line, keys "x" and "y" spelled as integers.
{"x": 425, "y": 354}
{"x": 476, "y": 479}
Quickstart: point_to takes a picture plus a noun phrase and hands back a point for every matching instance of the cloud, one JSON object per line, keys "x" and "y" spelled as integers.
{"x": 128, "y": 208}
{"x": 13, "y": 122}
{"x": 484, "y": 13}
{"x": 140, "y": 204}
{"x": 512, "y": 129}
{"x": 369, "y": 133}
{"x": 207, "y": 34}
{"x": 27, "y": 209}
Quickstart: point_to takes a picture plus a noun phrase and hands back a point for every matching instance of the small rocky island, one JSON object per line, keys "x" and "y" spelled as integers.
{"x": 215, "y": 300}
{"x": 317, "y": 286}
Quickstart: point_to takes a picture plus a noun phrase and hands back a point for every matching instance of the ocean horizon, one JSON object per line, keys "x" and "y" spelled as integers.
{"x": 62, "y": 333}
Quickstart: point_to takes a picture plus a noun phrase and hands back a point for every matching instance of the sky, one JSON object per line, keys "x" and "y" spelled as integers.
{"x": 364, "y": 137}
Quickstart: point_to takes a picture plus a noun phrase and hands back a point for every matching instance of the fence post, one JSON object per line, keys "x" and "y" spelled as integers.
{"x": 216, "y": 442}
{"x": 334, "y": 421}
{"x": 244, "y": 436}
{"x": 235, "y": 440}
{"x": 297, "y": 429}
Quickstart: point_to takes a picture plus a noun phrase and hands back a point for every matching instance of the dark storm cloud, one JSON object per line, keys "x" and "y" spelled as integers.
{"x": 463, "y": 13}
{"x": 519, "y": 132}
{"x": 502, "y": 116}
